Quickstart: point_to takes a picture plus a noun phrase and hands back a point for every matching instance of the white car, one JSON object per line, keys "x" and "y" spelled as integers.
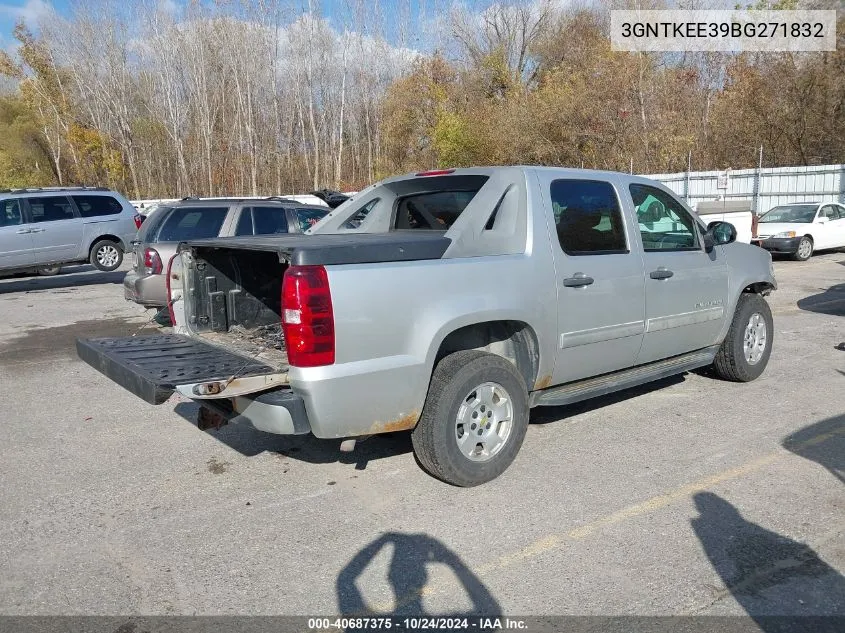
{"x": 801, "y": 228}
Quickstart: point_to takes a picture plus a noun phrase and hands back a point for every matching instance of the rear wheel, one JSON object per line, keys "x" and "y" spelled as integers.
{"x": 805, "y": 249}
{"x": 106, "y": 255}
{"x": 49, "y": 271}
{"x": 745, "y": 351}
{"x": 474, "y": 419}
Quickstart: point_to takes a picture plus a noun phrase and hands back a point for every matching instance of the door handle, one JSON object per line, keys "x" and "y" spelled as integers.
{"x": 37, "y": 230}
{"x": 661, "y": 273}
{"x": 23, "y": 231}
{"x": 578, "y": 280}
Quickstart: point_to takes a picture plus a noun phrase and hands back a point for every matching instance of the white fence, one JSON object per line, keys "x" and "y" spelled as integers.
{"x": 765, "y": 188}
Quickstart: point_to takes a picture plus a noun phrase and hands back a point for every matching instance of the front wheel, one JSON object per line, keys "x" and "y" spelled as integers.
{"x": 805, "y": 249}
{"x": 106, "y": 255}
{"x": 745, "y": 351}
{"x": 474, "y": 419}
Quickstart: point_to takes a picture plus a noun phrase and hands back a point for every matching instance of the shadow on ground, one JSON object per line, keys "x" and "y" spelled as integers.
{"x": 766, "y": 573}
{"x": 413, "y": 563}
{"x": 68, "y": 279}
{"x": 830, "y": 302}
{"x": 823, "y": 443}
{"x": 546, "y": 415}
{"x": 249, "y": 441}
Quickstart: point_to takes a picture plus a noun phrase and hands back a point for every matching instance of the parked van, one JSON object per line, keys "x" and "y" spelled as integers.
{"x": 43, "y": 229}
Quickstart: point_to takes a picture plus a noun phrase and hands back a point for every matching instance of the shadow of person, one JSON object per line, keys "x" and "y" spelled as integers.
{"x": 830, "y": 302}
{"x": 766, "y": 573}
{"x": 413, "y": 559}
{"x": 822, "y": 442}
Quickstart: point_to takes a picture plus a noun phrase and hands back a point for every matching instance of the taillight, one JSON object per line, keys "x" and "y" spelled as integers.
{"x": 139, "y": 220}
{"x": 152, "y": 262}
{"x": 307, "y": 316}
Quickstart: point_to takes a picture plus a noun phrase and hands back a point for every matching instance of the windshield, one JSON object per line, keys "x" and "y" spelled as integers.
{"x": 791, "y": 213}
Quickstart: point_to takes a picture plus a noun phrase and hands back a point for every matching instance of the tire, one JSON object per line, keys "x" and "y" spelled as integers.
{"x": 49, "y": 271}
{"x": 805, "y": 249}
{"x": 740, "y": 358}
{"x": 453, "y": 392}
{"x": 106, "y": 255}
{"x": 162, "y": 317}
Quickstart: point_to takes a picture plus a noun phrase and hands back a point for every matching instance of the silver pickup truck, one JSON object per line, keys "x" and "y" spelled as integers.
{"x": 450, "y": 302}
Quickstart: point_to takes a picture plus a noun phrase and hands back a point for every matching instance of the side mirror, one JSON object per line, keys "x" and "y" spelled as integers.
{"x": 719, "y": 233}
{"x": 822, "y": 219}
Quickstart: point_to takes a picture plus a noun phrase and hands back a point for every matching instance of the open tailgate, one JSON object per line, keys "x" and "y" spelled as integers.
{"x": 152, "y": 367}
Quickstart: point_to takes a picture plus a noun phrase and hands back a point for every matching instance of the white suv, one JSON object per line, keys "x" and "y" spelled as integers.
{"x": 42, "y": 229}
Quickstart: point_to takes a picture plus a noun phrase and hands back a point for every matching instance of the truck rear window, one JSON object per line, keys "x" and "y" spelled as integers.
{"x": 438, "y": 202}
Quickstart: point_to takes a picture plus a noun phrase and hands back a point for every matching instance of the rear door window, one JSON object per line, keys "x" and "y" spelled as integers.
{"x": 50, "y": 208}
{"x": 309, "y": 217}
{"x": 96, "y": 206}
{"x": 10, "y": 213}
{"x": 192, "y": 223}
{"x": 262, "y": 221}
{"x": 587, "y": 217}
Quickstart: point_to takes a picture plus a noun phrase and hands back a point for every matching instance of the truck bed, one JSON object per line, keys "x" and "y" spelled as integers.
{"x": 265, "y": 343}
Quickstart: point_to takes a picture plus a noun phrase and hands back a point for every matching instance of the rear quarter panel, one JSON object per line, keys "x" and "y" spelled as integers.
{"x": 389, "y": 323}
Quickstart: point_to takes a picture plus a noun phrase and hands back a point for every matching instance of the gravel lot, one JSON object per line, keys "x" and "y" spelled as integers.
{"x": 690, "y": 496}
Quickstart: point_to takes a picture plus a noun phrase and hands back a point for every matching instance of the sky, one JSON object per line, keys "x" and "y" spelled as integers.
{"x": 13, "y": 10}
{"x": 336, "y": 10}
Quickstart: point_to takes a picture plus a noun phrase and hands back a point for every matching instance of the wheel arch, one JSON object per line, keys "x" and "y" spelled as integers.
{"x": 760, "y": 287}
{"x": 513, "y": 340}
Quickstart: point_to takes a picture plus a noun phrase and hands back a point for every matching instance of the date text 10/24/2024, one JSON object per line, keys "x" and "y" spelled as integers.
{"x": 420, "y": 623}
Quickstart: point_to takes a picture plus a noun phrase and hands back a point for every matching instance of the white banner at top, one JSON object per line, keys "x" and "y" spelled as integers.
{"x": 680, "y": 30}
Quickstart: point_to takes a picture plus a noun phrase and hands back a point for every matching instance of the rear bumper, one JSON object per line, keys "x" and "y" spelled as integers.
{"x": 281, "y": 412}
{"x": 148, "y": 290}
{"x": 778, "y": 244}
